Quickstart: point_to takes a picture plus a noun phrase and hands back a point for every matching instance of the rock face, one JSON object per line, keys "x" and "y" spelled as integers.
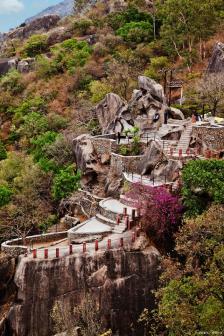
{"x": 113, "y": 114}
{"x": 120, "y": 281}
{"x": 62, "y": 9}
{"x": 147, "y": 109}
{"x": 42, "y": 24}
{"x": 216, "y": 63}
{"x": 85, "y": 155}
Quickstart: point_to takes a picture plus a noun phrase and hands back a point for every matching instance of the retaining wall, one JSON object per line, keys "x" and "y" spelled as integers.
{"x": 212, "y": 137}
{"x": 120, "y": 163}
{"x": 15, "y": 247}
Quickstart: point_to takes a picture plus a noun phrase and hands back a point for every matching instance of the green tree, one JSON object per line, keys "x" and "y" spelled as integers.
{"x": 191, "y": 299}
{"x": 5, "y": 195}
{"x": 35, "y": 45}
{"x": 34, "y": 125}
{"x": 136, "y": 32}
{"x": 65, "y": 182}
{"x": 203, "y": 183}
{"x": 186, "y": 23}
{"x": 3, "y": 151}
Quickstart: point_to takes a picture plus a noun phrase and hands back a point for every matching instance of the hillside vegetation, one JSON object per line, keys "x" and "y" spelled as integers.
{"x": 43, "y": 110}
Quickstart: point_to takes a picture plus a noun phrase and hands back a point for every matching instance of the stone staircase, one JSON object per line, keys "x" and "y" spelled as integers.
{"x": 185, "y": 139}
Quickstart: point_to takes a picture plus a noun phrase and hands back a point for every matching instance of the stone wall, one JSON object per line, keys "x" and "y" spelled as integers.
{"x": 15, "y": 247}
{"x": 120, "y": 163}
{"x": 211, "y": 137}
{"x": 104, "y": 146}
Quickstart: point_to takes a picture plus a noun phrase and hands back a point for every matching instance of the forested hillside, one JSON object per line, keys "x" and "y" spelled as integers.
{"x": 43, "y": 108}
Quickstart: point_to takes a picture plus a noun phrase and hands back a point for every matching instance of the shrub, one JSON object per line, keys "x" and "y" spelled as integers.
{"x": 35, "y": 45}
{"x": 190, "y": 300}
{"x": 99, "y": 89}
{"x": 161, "y": 212}
{"x": 65, "y": 182}
{"x": 5, "y": 195}
{"x": 34, "y": 125}
{"x": 157, "y": 64}
{"x": 66, "y": 56}
{"x": 12, "y": 82}
{"x": 203, "y": 183}
{"x": 3, "y": 151}
{"x": 136, "y": 32}
{"x": 82, "y": 26}
{"x": 132, "y": 14}
{"x": 40, "y": 144}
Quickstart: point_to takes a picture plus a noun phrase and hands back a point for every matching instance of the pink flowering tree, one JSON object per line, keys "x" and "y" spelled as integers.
{"x": 161, "y": 212}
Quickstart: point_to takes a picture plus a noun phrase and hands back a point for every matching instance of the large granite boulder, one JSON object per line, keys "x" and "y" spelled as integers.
{"x": 216, "y": 62}
{"x": 85, "y": 155}
{"x": 113, "y": 114}
{"x": 146, "y": 109}
{"x": 154, "y": 155}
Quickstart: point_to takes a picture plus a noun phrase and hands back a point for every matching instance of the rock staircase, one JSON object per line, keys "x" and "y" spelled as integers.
{"x": 185, "y": 139}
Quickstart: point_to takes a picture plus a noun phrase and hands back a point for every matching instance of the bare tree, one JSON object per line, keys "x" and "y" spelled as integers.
{"x": 210, "y": 91}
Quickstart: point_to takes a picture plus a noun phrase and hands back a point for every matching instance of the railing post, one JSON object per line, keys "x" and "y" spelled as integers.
{"x": 34, "y": 254}
{"x": 70, "y": 249}
{"x": 126, "y": 222}
{"x": 138, "y": 212}
{"x": 121, "y": 242}
{"x": 188, "y": 151}
{"x": 109, "y": 244}
{"x": 96, "y": 245}
{"x": 180, "y": 153}
{"x": 133, "y": 214}
{"x": 45, "y": 253}
{"x": 57, "y": 252}
{"x": 130, "y": 224}
{"x": 133, "y": 237}
{"x": 84, "y": 247}
{"x": 118, "y": 220}
{"x": 125, "y": 211}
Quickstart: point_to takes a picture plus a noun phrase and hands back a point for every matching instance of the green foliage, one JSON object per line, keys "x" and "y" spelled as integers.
{"x": 3, "y": 151}
{"x": 35, "y": 45}
{"x": 12, "y": 82}
{"x": 40, "y": 144}
{"x": 82, "y": 26}
{"x": 65, "y": 182}
{"x": 132, "y": 14}
{"x": 34, "y": 104}
{"x": 191, "y": 297}
{"x": 34, "y": 125}
{"x": 136, "y": 32}
{"x": 156, "y": 64}
{"x": 5, "y": 195}
{"x": 203, "y": 183}
{"x": 99, "y": 89}
{"x": 66, "y": 56}
{"x": 183, "y": 24}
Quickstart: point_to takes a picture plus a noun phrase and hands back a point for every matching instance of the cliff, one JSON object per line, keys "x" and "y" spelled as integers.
{"x": 120, "y": 281}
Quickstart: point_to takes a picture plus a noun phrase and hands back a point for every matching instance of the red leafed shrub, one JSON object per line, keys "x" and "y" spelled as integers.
{"x": 161, "y": 212}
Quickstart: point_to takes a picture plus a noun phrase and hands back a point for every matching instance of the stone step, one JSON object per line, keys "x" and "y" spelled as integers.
{"x": 105, "y": 220}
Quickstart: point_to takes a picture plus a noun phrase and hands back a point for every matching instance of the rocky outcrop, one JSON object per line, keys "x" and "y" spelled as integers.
{"x": 216, "y": 63}
{"x": 121, "y": 282}
{"x": 113, "y": 114}
{"x": 153, "y": 155}
{"x": 147, "y": 109}
{"x": 38, "y": 25}
{"x": 85, "y": 155}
